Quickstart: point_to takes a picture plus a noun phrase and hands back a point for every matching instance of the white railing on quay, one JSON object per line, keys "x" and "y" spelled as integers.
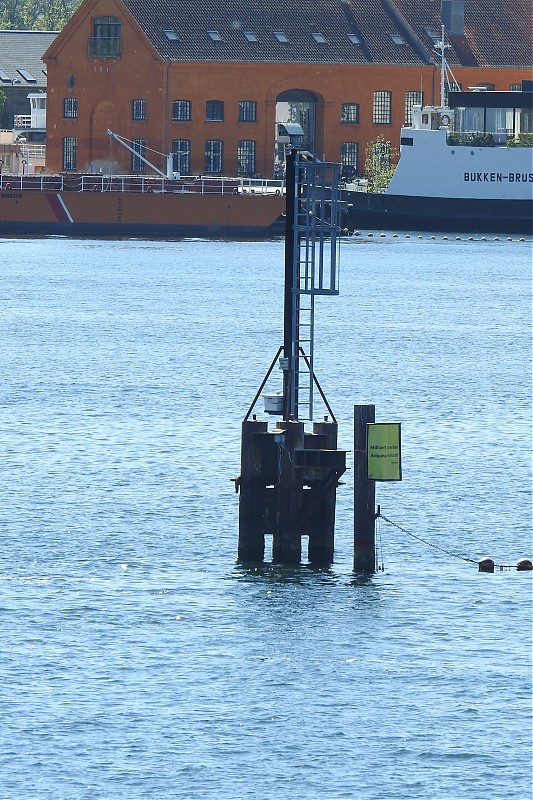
{"x": 142, "y": 184}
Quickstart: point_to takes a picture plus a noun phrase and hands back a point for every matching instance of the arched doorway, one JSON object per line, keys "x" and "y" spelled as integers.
{"x": 296, "y": 105}
{"x": 102, "y": 152}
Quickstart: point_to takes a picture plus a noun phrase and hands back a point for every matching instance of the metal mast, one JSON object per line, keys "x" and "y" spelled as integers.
{"x": 311, "y": 269}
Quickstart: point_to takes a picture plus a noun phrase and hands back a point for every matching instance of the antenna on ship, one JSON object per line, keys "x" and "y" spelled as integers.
{"x": 447, "y": 78}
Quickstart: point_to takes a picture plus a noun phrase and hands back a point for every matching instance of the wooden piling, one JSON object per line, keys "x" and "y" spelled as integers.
{"x": 364, "y": 495}
{"x": 252, "y": 489}
{"x": 288, "y": 487}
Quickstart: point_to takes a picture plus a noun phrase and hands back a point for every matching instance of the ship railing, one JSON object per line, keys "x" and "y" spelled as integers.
{"x": 143, "y": 184}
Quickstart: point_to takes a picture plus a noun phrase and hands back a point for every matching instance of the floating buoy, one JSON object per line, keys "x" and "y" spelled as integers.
{"x": 394, "y": 235}
{"x": 407, "y": 236}
{"x": 486, "y": 564}
{"x": 370, "y": 234}
{"x": 382, "y": 235}
{"x": 524, "y": 564}
{"x": 432, "y": 237}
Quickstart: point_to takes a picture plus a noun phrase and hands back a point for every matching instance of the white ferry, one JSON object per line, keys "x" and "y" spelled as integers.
{"x": 464, "y": 166}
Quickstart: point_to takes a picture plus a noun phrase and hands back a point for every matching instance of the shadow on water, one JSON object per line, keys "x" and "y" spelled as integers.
{"x": 300, "y": 574}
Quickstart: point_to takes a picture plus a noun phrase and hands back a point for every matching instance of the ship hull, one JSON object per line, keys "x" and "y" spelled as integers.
{"x": 440, "y": 214}
{"x": 29, "y": 212}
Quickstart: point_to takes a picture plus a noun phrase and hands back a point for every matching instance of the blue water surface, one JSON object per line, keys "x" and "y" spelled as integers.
{"x": 138, "y": 660}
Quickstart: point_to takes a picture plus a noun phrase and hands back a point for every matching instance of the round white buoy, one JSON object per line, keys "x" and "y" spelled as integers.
{"x": 486, "y": 564}
{"x": 524, "y": 564}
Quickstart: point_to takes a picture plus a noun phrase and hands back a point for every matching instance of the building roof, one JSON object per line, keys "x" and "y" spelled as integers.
{"x": 306, "y": 31}
{"x": 21, "y": 61}
{"x": 390, "y": 32}
{"x": 497, "y": 33}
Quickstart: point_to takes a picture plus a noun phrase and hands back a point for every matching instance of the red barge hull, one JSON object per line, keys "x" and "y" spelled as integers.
{"x": 35, "y": 211}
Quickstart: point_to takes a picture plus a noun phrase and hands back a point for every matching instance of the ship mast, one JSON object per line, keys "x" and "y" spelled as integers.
{"x": 447, "y": 78}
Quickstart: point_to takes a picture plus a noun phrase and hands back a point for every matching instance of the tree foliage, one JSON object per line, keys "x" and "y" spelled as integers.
{"x": 380, "y": 163}
{"x": 2, "y": 99}
{"x": 37, "y": 15}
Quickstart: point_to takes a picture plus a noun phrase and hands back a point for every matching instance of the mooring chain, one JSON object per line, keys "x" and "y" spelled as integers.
{"x": 436, "y": 546}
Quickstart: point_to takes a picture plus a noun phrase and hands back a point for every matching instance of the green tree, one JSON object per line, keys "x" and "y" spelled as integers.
{"x": 40, "y": 15}
{"x": 380, "y": 163}
{"x": 2, "y": 99}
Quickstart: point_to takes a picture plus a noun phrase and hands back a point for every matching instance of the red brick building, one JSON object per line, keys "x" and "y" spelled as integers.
{"x": 209, "y": 81}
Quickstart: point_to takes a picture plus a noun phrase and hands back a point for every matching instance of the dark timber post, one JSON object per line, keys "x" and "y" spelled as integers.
{"x": 364, "y": 495}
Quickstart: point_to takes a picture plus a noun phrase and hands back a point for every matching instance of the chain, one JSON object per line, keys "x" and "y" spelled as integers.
{"x": 436, "y": 546}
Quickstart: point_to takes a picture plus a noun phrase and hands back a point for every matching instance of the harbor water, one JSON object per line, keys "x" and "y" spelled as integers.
{"x": 138, "y": 660}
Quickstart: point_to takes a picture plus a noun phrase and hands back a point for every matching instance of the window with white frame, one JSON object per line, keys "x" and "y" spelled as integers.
{"x": 247, "y": 111}
{"x": 181, "y": 110}
{"x": 246, "y": 157}
{"x": 349, "y": 155}
{"x": 382, "y": 108}
{"x": 412, "y": 99}
{"x": 138, "y": 109}
{"x": 70, "y": 107}
{"x": 350, "y": 113}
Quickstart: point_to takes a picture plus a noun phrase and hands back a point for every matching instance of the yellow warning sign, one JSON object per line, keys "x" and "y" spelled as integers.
{"x": 384, "y": 453}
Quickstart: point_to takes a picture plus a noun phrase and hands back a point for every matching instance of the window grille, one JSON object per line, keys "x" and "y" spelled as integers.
{"x": 247, "y": 111}
{"x": 349, "y": 156}
{"x": 381, "y": 111}
{"x": 105, "y": 42}
{"x": 246, "y": 157}
{"x": 214, "y": 110}
{"x": 213, "y": 157}
{"x": 412, "y": 99}
{"x": 181, "y": 111}
{"x": 350, "y": 113}
{"x": 181, "y": 156}
{"x": 138, "y": 109}
{"x": 137, "y": 164}
{"x": 70, "y": 107}
{"x": 70, "y": 152}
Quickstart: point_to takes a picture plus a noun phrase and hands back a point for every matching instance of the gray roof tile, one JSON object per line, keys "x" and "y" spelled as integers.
{"x": 298, "y": 21}
{"x": 23, "y": 50}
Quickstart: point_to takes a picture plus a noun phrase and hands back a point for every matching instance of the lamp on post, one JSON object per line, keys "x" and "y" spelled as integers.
{"x": 25, "y": 156}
